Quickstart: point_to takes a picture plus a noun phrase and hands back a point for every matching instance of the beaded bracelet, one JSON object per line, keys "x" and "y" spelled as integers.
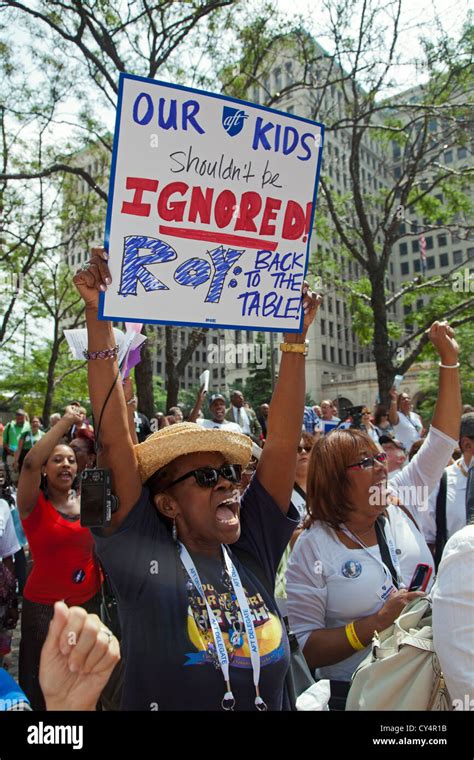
{"x": 107, "y": 353}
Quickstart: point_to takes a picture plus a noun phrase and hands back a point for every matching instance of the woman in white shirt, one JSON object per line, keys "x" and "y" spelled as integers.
{"x": 349, "y": 573}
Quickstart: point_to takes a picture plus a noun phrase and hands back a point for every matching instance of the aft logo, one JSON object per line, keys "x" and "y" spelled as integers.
{"x": 233, "y": 120}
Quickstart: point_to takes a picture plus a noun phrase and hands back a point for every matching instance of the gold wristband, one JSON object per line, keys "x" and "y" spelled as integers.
{"x": 295, "y": 348}
{"x": 353, "y": 638}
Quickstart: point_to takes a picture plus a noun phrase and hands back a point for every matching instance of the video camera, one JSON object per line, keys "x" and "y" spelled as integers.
{"x": 354, "y": 414}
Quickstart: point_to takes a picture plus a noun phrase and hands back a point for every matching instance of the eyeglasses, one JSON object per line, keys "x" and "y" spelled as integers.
{"x": 369, "y": 462}
{"x": 300, "y": 449}
{"x": 208, "y": 477}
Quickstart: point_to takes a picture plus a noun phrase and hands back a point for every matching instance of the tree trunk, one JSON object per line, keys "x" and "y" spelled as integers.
{"x": 144, "y": 378}
{"x": 172, "y": 375}
{"x": 382, "y": 348}
{"x": 53, "y": 360}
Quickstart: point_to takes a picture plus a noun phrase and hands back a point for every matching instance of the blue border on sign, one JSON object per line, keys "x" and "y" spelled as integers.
{"x": 259, "y": 328}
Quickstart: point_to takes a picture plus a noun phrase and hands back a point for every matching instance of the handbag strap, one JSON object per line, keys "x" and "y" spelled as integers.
{"x": 441, "y": 522}
{"x": 384, "y": 552}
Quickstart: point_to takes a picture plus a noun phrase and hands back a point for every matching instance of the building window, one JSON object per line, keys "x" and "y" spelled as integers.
{"x": 406, "y": 309}
{"x": 457, "y": 257}
{"x": 444, "y": 260}
{"x": 339, "y": 355}
{"x": 323, "y": 327}
{"x": 417, "y": 265}
{"x": 429, "y": 243}
{"x": 442, "y": 240}
{"x": 405, "y": 267}
{"x": 391, "y": 267}
{"x": 470, "y": 253}
{"x": 330, "y": 306}
{"x": 415, "y": 246}
{"x": 331, "y": 330}
{"x": 332, "y": 354}
{"x": 419, "y": 304}
{"x": 338, "y": 308}
{"x": 289, "y": 72}
{"x": 348, "y": 358}
{"x": 430, "y": 262}
{"x": 462, "y": 152}
{"x": 324, "y": 352}
{"x": 354, "y": 358}
{"x": 448, "y": 157}
{"x": 277, "y": 77}
{"x": 290, "y": 109}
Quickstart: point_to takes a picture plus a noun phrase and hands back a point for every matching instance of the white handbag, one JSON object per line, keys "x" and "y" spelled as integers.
{"x": 402, "y": 672}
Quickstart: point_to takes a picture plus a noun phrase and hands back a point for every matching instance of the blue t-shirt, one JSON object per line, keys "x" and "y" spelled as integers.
{"x": 166, "y": 663}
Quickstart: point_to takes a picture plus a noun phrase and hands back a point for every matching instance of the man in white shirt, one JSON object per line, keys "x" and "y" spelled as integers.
{"x": 453, "y": 617}
{"x": 328, "y": 420}
{"x": 396, "y": 454}
{"x": 217, "y": 409}
{"x": 407, "y": 425}
{"x": 456, "y": 480}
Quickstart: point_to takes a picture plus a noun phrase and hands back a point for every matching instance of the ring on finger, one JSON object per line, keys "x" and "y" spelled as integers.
{"x": 108, "y": 633}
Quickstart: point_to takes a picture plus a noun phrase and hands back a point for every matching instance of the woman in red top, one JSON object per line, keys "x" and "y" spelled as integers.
{"x": 64, "y": 567}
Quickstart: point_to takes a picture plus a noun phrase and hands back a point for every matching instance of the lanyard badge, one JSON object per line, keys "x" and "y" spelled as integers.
{"x": 228, "y": 700}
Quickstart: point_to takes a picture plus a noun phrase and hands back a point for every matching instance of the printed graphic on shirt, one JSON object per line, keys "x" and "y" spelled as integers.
{"x": 267, "y": 627}
{"x": 351, "y": 569}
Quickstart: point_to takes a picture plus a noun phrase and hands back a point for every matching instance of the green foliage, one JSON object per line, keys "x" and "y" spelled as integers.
{"x": 258, "y": 385}
{"x": 25, "y": 379}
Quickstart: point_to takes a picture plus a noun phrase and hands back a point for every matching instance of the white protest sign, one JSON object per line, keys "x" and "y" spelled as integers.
{"x": 211, "y": 207}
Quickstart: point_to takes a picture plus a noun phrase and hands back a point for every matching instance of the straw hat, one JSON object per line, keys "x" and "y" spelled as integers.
{"x": 188, "y": 438}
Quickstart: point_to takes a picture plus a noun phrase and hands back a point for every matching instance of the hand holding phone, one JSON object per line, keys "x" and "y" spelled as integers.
{"x": 420, "y": 578}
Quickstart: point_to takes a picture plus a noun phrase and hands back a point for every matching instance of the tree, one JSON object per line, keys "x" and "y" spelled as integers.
{"x": 353, "y": 90}
{"x": 258, "y": 386}
{"x": 93, "y": 42}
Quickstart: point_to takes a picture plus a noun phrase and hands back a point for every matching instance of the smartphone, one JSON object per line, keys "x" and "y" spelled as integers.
{"x": 420, "y": 578}
{"x": 397, "y": 381}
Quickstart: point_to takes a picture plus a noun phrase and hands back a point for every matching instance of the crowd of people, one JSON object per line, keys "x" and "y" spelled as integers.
{"x": 231, "y": 530}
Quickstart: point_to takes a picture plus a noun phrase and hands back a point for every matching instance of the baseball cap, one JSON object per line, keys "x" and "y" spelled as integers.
{"x": 467, "y": 425}
{"x": 216, "y": 397}
{"x": 21, "y": 411}
{"x": 389, "y": 439}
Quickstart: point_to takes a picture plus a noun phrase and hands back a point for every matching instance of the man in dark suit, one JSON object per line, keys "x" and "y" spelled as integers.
{"x": 243, "y": 416}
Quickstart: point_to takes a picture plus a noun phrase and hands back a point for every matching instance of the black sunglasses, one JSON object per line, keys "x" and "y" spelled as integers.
{"x": 300, "y": 449}
{"x": 208, "y": 477}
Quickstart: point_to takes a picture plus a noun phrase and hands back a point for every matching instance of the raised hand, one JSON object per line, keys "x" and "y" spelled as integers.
{"x": 442, "y": 337}
{"x": 93, "y": 277}
{"x": 77, "y": 659}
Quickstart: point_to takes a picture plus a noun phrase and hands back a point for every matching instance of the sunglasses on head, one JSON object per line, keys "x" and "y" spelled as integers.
{"x": 369, "y": 462}
{"x": 300, "y": 449}
{"x": 208, "y": 477}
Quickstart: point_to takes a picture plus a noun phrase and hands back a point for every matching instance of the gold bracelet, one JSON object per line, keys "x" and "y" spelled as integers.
{"x": 295, "y": 348}
{"x": 352, "y": 637}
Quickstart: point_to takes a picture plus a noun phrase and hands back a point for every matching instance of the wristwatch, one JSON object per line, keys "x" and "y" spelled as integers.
{"x": 295, "y": 348}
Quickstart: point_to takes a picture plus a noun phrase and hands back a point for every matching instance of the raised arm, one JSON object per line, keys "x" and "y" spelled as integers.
{"x": 198, "y": 404}
{"x": 447, "y": 413}
{"x": 110, "y": 414}
{"x": 30, "y": 477}
{"x": 392, "y": 410}
{"x": 277, "y": 465}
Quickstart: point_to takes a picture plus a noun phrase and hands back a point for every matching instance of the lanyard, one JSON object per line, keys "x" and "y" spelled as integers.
{"x": 391, "y": 547}
{"x": 228, "y": 701}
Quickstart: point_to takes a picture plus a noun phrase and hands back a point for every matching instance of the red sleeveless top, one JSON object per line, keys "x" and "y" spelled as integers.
{"x": 62, "y": 551}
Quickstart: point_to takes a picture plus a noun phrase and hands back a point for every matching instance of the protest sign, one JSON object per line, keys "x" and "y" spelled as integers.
{"x": 210, "y": 211}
